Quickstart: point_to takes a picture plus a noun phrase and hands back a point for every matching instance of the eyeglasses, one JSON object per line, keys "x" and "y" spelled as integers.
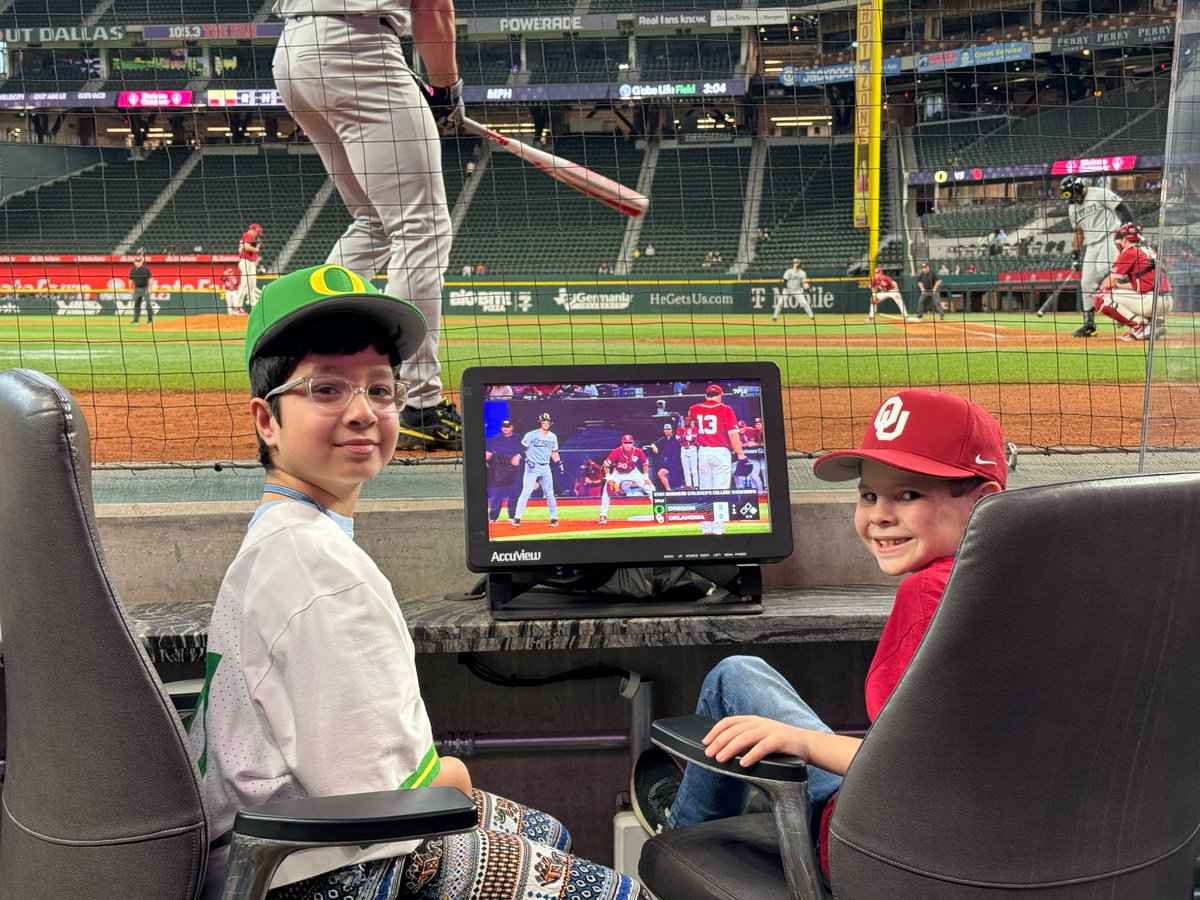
{"x": 333, "y": 394}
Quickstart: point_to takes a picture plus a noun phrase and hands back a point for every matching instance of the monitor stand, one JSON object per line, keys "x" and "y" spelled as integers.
{"x": 572, "y": 594}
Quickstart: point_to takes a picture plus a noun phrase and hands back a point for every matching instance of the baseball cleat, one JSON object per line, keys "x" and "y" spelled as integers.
{"x": 604, "y": 520}
{"x": 1040, "y": 313}
{"x": 1087, "y": 329}
{"x": 436, "y": 428}
{"x": 554, "y": 523}
{"x": 515, "y": 523}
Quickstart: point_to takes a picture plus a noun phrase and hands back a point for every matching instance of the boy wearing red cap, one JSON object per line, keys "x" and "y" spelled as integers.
{"x": 927, "y": 457}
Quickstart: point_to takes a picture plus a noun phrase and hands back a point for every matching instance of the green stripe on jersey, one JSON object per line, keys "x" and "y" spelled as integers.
{"x": 426, "y": 771}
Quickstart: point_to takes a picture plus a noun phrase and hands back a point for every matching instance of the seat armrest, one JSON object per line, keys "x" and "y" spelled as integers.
{"x": 371, "y": 818}
{"x": 682, "y": 736}
{"x": 264, "y": 836}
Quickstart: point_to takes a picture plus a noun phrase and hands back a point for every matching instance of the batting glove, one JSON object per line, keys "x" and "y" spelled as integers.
{"x": 1074, "y": 257}
{"x": 446, "y": 104}
{"x": 559, "y": 467}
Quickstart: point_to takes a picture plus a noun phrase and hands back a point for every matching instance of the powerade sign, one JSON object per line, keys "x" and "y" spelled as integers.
{"x": 790, "y": 76}
{"x": 541, "y": 24}
{"x": 963, "y": 57}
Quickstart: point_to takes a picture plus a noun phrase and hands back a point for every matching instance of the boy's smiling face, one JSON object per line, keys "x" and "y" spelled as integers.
{"x": 330, "y": 455}
{"x": 907, "y": 520}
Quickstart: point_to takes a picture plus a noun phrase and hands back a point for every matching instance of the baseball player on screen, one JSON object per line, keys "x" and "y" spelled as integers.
{"x": 717, "y": 440}
{"x": 795, "y": 283}
{"x": 1095, "y": 213}
{"x": 627, "y": 464}
{"x": 541, "y": 449}
{"x": 688, "y": 452}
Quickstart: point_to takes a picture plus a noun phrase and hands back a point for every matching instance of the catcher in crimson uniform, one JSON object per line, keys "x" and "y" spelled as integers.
{"x": 627, "y": 464}
{"x": 718, "y": 439}
{"x": 1127, "y": 292}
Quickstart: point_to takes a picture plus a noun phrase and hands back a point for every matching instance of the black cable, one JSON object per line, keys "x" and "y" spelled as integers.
{"x": 484, "y": 672}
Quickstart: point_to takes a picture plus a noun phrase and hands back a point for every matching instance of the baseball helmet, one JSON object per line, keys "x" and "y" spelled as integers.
{"x": 1128, "y": 232}
{"x": 741, "y": 423}
{"x": 254, "y": 226}
{"x": 1072, "y": 187}
{"x": 879, "y": 270}
{"x": 545, "y": 417}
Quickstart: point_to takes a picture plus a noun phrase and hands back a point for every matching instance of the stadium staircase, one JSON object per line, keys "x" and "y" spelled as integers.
{"x": 113, "y": 198}
{"x": 233, "y": 186}
{"x": 696, "y": 208}
{"x": 522, "y": 222}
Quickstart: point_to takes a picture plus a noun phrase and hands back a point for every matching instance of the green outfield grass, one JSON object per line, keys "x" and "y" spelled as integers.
{"x": 107, "y": 354}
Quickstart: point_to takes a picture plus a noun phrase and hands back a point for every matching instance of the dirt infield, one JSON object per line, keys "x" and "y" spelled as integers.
{"x": 163, "y": 427}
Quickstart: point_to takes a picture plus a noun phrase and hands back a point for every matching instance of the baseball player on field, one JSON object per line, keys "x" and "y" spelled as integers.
{"x": 341, "y": 69}
{"x": 883, "y": 287}
{"x": 795, "y": 281}
{"x": 627, "y": 464}
{"x": 688, "y": 452}
{"x": 1127, "y": 292}
{"x": 1095, "y": 213}
{"x": 541, "y": 449}
{"x": 718, "y": 440}
{"x": 248, "y": 248}
{"x": 229, "y": 284}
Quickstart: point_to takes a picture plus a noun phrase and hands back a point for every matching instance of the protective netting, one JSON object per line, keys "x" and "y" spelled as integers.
{"x": 162, "y": 129}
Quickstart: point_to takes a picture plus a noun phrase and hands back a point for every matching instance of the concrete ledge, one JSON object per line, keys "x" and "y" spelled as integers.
{"x": 179, "y": 551}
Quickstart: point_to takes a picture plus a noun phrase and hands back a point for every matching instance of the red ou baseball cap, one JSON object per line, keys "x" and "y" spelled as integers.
{"x": 627, "y": 439}
{"x": 713, "y": 389}
{"x": 254, "y": 226}
{"x": 928, "y": 432}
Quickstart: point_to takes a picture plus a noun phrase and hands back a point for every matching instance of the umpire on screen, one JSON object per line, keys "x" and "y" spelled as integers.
{"x": 504, "y": 471}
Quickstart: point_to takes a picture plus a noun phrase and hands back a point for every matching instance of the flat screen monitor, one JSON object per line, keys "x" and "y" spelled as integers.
{"x": 601, "y": 467}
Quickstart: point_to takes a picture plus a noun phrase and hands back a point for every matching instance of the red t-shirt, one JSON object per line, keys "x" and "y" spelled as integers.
{"x": 916, "y": 601}
{"x": 623, "y": 462}
{"x": 882, "y": 283}
{"x": 1134, "y": 261}
{"x": 250, "y": 253}
{"x": 714, "y": 421}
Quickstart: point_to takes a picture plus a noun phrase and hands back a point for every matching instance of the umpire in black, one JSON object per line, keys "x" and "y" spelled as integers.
{"x": 139, "y": 278}
{"x": 504, "y": 471}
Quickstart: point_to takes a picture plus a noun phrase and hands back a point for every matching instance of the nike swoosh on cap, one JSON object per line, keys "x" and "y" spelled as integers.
{"x": 980, "y": 461}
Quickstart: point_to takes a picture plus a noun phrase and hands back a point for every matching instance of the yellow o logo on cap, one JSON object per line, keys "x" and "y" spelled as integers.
{"x": 343, "y": 282}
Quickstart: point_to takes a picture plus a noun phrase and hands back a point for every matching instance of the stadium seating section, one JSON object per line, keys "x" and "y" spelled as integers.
{"x": 521, "y": 221}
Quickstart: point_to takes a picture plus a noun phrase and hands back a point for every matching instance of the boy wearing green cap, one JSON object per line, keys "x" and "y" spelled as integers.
{"x": 311, "y": 686}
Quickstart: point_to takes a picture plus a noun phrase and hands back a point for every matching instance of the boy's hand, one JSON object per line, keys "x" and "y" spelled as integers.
{"x": 754, "y": 737}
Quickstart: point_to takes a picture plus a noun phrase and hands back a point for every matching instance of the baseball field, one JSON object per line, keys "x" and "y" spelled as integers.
{"x": 175, "y": 392}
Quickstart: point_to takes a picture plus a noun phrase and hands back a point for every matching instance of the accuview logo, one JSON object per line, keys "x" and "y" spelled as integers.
{"x": 516, "y": 556}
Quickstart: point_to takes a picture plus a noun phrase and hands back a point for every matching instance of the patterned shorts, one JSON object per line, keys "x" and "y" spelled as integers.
{"x": 516, "y": 853}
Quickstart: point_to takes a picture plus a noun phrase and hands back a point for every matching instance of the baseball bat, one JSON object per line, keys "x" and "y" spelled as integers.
{"x": 590, "y": 184}
{"x": 1052, "y": 300}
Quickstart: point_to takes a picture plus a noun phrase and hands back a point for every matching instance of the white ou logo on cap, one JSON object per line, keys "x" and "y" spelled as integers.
{"x": 891, "y": 419}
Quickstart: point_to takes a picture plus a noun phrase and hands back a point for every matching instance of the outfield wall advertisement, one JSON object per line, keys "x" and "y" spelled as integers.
{"x": 99, "y": 285}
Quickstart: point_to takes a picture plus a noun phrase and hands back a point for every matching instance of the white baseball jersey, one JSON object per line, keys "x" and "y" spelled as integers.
{"x": 1096, "y": 216}
{"x": 311, "y": 686}
{"x": 794, "y": 278}
{"x": 538, "y": 446}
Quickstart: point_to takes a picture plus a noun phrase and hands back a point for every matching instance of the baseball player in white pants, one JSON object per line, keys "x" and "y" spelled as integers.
{"x": 688, "y": 453}
{"x": 626, "y": 464}
{"x": 247, "y": 289}
{"x": 541, "y": 449}
{"x": 1094, "y": 213}
{"x": 795, "y": 283}
{"x": 344, "y": 78}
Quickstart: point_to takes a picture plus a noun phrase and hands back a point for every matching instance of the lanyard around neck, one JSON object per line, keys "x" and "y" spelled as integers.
{"x": 293, "y": 494}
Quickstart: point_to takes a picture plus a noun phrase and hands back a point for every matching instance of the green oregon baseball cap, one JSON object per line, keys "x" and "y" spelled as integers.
{"x": 321, "y": 290}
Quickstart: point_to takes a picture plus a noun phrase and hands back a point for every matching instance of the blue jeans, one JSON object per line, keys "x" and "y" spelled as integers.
{"x": 744, "y": 686}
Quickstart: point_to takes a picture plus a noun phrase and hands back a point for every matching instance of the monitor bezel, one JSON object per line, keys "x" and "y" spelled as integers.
{"x": 772, "y": 546}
